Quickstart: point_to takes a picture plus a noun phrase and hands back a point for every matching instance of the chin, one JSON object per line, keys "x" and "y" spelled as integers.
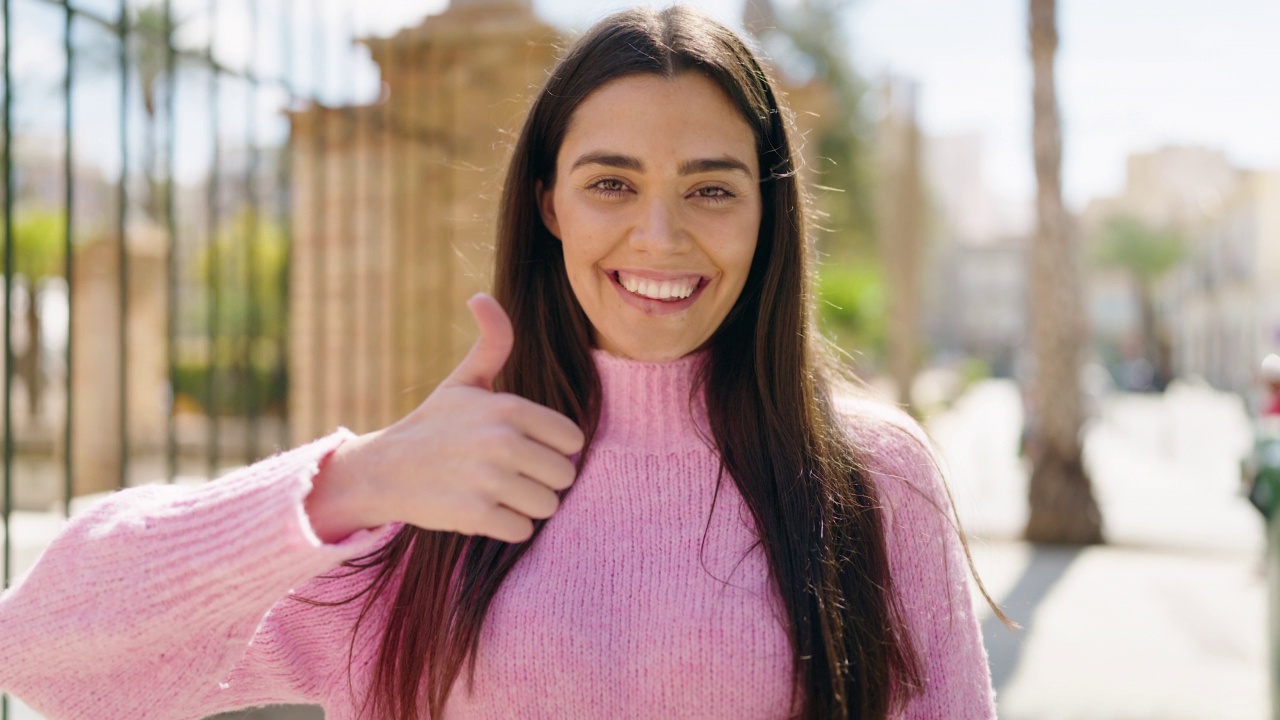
{"x": 646, "y": 352}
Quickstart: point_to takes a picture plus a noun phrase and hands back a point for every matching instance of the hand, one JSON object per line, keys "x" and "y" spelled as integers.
{"x": 467, "y": 460}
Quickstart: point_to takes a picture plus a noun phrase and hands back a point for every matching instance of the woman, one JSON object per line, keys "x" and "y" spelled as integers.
{"x": 733, "y": 544}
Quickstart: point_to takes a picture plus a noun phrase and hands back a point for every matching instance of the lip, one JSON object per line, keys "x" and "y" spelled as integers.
{"x": 656, "y": 308}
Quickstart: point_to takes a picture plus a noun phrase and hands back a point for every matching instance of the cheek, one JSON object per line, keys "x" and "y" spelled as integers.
{"x": 736, "y": 247}
{"x": 581, "y": 235}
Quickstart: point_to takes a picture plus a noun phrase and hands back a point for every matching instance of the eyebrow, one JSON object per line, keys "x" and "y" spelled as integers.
{"x": 688, "y": 167}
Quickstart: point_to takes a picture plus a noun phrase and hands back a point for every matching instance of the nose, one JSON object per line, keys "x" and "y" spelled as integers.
{"x": 658, "y": 229}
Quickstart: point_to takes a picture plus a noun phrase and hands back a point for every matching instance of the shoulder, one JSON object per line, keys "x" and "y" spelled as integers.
{"x": 897, "y": 457}
{"x": 885, "y": 438}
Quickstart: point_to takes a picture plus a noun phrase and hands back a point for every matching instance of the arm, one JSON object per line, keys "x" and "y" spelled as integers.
{"x": 169, "y": 598}
{"x": 929, "y": 570}
{"x": 144, "y": 605}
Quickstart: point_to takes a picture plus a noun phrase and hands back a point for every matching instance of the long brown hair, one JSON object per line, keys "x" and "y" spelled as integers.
{"x": 771, "y": 413}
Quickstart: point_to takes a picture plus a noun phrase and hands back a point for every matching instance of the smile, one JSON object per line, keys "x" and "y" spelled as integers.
{"x": 669, "y": 288}
{"x": 675, "y": 288}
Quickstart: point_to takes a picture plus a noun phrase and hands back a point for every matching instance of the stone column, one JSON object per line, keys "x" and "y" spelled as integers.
{"x": 395, "y": 206}
{"x": 95, "y": 362}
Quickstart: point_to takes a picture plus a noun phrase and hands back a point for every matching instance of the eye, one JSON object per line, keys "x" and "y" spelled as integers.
{"x": 608, "y": 187}
{"x": 714, "y": 193}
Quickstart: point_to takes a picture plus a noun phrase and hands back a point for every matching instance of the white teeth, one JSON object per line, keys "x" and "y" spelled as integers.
{"x": 658, "y": 289}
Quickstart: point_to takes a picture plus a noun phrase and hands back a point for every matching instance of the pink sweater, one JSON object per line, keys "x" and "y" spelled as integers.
{"x": 169, "y": 602}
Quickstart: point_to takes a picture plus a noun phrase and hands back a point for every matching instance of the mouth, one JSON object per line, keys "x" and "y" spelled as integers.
{"x": 659, "y": 287}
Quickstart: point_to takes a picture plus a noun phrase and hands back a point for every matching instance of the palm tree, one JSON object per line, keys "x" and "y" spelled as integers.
{"x": 1146, "y": 254}
{"x": 1063, "y": 509}
{"x": 149, "y": 29}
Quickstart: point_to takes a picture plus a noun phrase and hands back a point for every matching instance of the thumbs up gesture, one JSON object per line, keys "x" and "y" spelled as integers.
{"x": 466, "y": 460}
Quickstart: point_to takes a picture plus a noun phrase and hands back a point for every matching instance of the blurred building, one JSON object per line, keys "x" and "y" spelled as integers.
{"x": 1220, "y": 307}
{"x": 976, "y": 296}
{"x": 1176, "y": 188}
{"x": 1224, "y": 303}
{"x": 395, "y": 206}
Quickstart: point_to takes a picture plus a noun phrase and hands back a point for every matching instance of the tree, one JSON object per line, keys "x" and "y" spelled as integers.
{"x": 1063, "y": 509}
{"x": 38, "y": 253}
{"x": 149, "y": 26}
{"x": 1146, "y": 254}
{"x": 807, "y": 43}
{"x": 250, "y": 318}
{"x": 816, "y": 47}
{"x": 901, "y": 225}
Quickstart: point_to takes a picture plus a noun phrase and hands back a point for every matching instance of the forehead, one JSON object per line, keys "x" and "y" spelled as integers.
{"x": 659, "y": 119}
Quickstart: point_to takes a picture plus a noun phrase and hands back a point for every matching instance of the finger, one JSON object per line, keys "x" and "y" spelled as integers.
{"x": 546, "y": 426}
{"x": 527, "y": 497}
{"x": 547, "y": 466}
{"x": 540, "y": 463}
{"x": 507, "y": 525}
{"x": 490, "y": 352}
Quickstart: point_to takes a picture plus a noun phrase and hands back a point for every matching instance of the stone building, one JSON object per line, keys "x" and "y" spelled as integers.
{"x": 394, "y": 210}
{"x": 1224, "y": 304}
{"x": 1173, "y": 188}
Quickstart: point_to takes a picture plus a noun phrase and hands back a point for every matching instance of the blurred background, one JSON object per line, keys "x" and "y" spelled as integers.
{"x": 1053, "y": 234}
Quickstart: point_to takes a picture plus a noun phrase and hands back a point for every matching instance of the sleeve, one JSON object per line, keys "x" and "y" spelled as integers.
{"x": 158, "y": 602}
{"x": 929, "y": 571}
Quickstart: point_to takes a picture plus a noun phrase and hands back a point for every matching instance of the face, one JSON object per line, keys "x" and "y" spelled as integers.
{"x": 657, "y": 204}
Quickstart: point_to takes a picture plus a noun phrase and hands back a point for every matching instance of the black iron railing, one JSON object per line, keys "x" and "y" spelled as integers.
{"x": 225, "y": 297}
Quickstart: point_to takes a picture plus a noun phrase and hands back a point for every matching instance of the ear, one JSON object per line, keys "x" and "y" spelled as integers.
{"x": 547, "y": 208}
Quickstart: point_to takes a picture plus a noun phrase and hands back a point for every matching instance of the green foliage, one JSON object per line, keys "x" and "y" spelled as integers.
{"x": 851, "y": 308}
{"x": 226, "y": 262}
{"x": 40, "y": 237}
{"x": 249, "y": 324}
{"x": 974, "y": 370}
{"x": 268, "y": 383}
{"x": 816, "y": 48}
{"x": 1144, "y": 251}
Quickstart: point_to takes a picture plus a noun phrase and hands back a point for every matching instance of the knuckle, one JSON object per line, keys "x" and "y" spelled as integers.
{"x": 507, "y": 405}
{"x": 503, "y": 445}
{"x": 472, "y": 513}
{"x": 489, "y": 479}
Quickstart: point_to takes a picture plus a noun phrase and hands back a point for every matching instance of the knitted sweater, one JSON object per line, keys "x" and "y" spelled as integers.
{"x": 646, "y": 596}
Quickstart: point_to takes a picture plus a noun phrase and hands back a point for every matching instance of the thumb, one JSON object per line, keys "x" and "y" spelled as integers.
{"x": 491, "y": 350}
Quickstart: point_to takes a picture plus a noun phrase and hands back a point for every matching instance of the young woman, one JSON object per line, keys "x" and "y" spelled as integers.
{"x": 639, "y": 496}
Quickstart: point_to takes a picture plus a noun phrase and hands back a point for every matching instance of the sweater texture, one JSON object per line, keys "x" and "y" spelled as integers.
{"x": 646, "y": 595}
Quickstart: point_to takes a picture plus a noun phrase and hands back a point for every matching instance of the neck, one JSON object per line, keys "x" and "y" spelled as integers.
{"x": 651, "y": 404}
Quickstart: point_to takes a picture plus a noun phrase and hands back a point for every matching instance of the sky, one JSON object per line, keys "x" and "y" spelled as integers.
{"x": 1133, "y": 74}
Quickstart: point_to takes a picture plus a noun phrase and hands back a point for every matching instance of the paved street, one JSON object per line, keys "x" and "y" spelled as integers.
{"x": 1165, "y": 623}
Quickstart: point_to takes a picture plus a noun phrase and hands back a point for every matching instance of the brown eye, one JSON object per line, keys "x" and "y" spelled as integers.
{"x": 608, "y": 187}
{"x": 715, "y": 193}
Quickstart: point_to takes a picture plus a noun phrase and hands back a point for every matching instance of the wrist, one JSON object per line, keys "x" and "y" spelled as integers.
{"x": 341, "y": 499}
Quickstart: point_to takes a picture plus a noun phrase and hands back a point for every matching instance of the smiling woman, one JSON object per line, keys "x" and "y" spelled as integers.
{"x": 645, "y": 493}
{"x": 656, "y": 201}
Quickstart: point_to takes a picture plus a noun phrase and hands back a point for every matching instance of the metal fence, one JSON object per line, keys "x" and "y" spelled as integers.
{"x": 146, "y": 212}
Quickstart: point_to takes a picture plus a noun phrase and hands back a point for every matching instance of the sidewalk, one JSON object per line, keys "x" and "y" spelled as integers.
{"x": 1168, "y": 621}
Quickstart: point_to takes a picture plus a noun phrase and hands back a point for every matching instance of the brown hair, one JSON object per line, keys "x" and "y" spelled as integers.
{"x": 771, "y": 413}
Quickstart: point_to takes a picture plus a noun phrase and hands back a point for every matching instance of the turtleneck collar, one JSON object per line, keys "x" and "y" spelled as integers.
{"x": 648, "y": 405}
